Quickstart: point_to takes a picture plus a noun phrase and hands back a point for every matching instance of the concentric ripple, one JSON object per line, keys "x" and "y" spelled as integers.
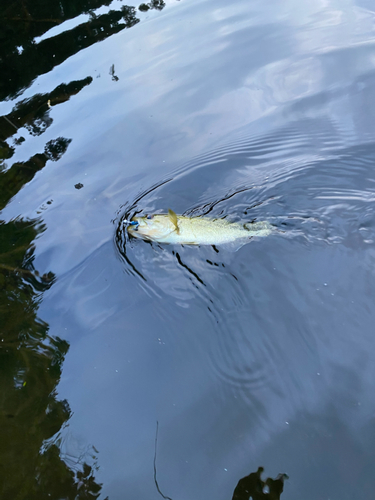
{"x": 314, "y": 194}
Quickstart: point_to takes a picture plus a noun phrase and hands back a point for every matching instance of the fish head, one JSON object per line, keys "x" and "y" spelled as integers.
{"x": 151, "y": 227}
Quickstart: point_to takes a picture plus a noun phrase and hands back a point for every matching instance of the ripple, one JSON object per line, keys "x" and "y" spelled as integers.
{"x": 286, "y": 177}
{"x": 314, "y": 194}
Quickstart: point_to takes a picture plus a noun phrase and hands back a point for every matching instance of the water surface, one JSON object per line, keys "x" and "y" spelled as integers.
{"x": 260, "y": 357}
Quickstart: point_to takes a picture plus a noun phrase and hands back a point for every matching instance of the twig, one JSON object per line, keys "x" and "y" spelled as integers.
{"x": 7, "y": 119}
{"x": 155, "y": 480}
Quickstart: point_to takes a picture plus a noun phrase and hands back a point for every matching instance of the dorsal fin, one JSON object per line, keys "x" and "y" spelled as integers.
{"x": 173, "y": 218}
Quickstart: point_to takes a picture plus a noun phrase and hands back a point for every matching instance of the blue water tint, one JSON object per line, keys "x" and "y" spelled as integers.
{"x": 263, "y": 356}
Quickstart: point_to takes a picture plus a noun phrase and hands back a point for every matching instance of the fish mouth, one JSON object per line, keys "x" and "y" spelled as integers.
{"x": 139, "y": 227}
{"x": 131, "y": 224}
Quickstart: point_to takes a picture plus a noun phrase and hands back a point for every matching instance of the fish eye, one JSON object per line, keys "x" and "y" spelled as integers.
{"x": 149, "y": 217}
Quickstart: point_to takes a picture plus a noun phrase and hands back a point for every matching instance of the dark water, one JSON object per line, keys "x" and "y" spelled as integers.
{"x": 262, "y": 357}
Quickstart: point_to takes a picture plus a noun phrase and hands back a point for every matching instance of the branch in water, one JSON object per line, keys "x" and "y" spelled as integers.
{"x": 155, "y": 480}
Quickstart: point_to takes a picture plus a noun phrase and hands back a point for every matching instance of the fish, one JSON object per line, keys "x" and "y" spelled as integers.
{"x": 183, "y": 230}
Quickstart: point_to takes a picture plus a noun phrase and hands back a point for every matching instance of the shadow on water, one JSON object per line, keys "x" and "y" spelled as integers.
{"x": 31, "y": 417}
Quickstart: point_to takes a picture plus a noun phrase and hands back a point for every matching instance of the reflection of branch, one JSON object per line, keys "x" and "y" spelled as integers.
{"x": 155, "y": 480}
{"x": 18, "y": 175}
{"x": 26, "y": 272}
{"x": 7, "y": 119}
{"x": 33, "y": 113}
{"x": 16, "y": 270}
{"x": 22, "y": 248}
{"x": 28, "y": 20}
{"x": 21, "y": 173}
{"x": 19, "y": 70}
{"x": 6, "y": 152}
{"x": 154, "y": 4}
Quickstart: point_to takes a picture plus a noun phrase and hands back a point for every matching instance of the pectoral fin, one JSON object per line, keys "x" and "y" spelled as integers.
{"x": 173, "y": 218}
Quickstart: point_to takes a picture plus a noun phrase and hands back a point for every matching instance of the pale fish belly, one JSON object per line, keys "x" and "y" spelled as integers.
{"x": 215, "y": 232}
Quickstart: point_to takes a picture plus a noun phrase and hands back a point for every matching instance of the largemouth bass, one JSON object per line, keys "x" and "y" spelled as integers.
{"x": 178, "y": 229}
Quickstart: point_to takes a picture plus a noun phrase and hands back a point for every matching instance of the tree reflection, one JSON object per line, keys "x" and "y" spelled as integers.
{"x": 22, "y": 59}
{"x": 30, "y": 369}
{"x": 31, "y": 416}
{"x": 34, "y": 113}
{"x": 31, "y": 359}
{"x": 154, "y": 4}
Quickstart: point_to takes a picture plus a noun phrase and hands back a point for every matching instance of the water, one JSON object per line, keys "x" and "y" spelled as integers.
{"x": 257, "y": 357}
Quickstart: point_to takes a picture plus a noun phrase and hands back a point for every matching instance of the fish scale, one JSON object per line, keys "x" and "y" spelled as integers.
{"x": 178, "y": 229}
